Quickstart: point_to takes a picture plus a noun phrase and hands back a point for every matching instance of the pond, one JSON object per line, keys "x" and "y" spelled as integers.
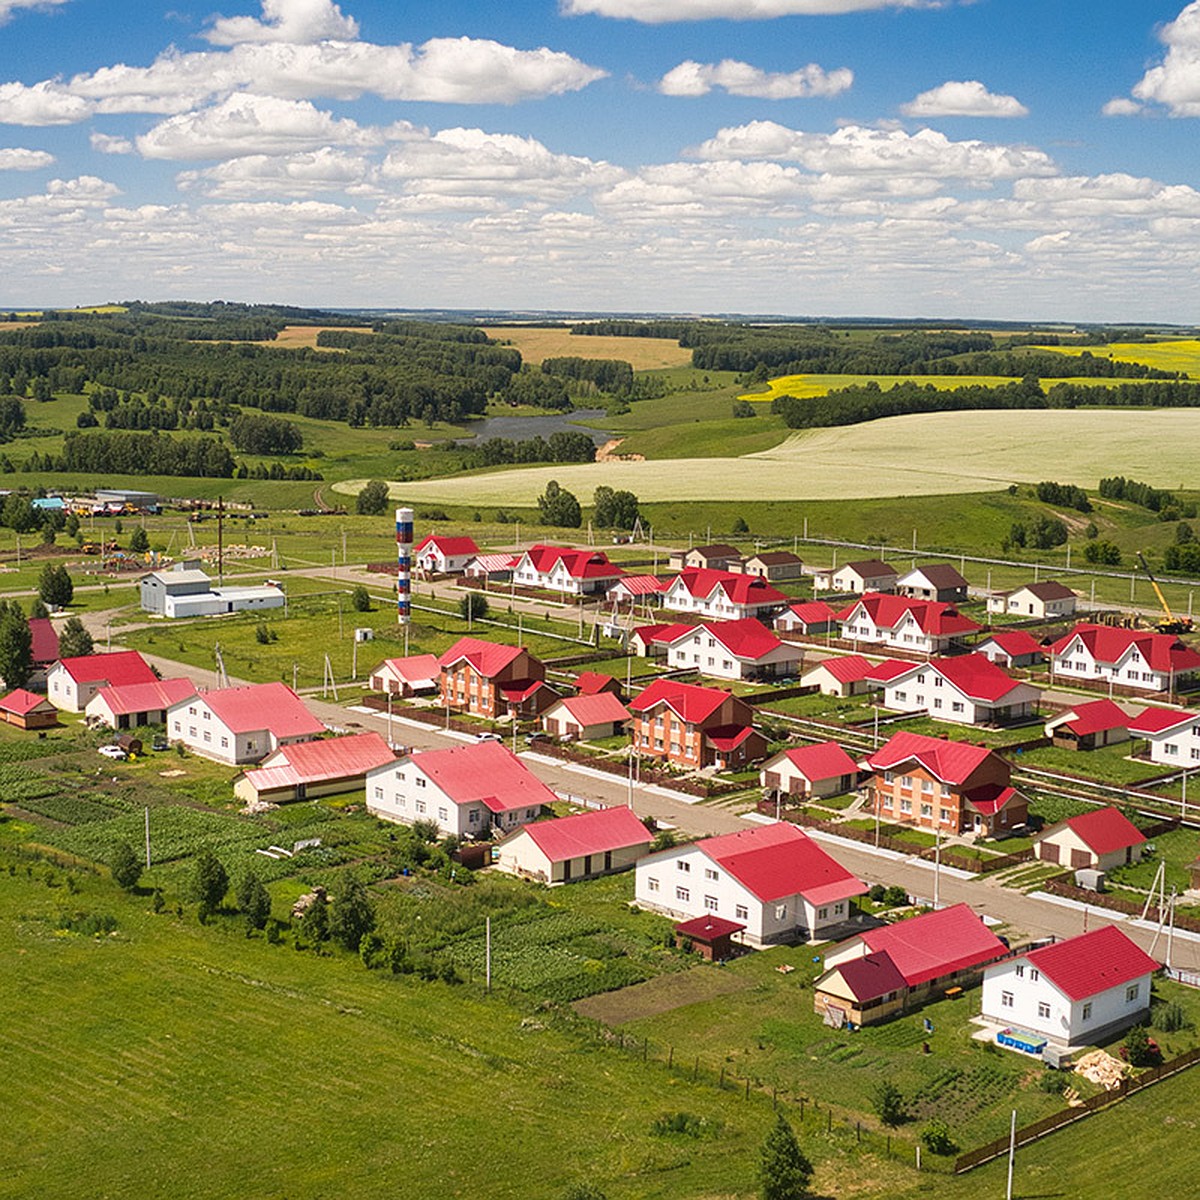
{"x": 521, "y": 429}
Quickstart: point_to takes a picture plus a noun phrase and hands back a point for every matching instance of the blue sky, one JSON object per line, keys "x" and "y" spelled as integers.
{"x": 994, "y": 159}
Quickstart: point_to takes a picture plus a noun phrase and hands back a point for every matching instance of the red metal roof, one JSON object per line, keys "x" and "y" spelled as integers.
{"x": 990, "y": 798}
{"x": 775, "y": 861}
{"x": 596, "y": 708}
{"x": 690, "y": 701}
{"x": 1097, "y": 716}
{"x": 936, "y": 617}
{"x": 145, "y": 697}
{"x": 1162, "y": 651}
{"x": 746, "y": 638}
{"x": 825, "y": 760}
{"x": 589, "y": 833}
{"x": 321, "y": 761}
{"x": 881, "y": 672}
{"x": 977, "y": 677}
{"x": 869, "y": 977}
{"x": 588, "y": 683}
{"x": 270, "y": 706}
{"x": 117, "y": 669}
{"x": 641, "y": 585}
{"x": 22, "y": 703}
{"x": 849, "y": 668}
{"x": 484, "y": 772}
{"x": 702, "y": 582}
{"x": 936, "y": 943}
{"x": 579, "y": 564}
{"x": 487, "y": 658}
{"x": 490, "y": 564}
{"x": 661, "y": 635}
{"x": 517, "y": 691}
{"x": 1159, "y": 720}
{"x": 44, "y": 641}
{"x": 727, "y": 737}
{"x": 1093, "y": 962}
{"x": 951, "y": 762}
{"x": 416, "y": 668}
{"x": 449, "y": 547}
{"x": 812, "y": 612}
{"x": 1016, "y": 643}
{"x": 1104, "y": 830}
{"x": 708, "y": 928}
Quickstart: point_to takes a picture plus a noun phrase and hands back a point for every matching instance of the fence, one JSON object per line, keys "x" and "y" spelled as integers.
{"x": 1068, "y": 1116}
{"x": 1131, "y": 908}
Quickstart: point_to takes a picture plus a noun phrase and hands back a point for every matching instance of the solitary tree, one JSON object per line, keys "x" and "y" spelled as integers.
{"x": 784, "y": 1172}
{"x": 614, "y": 509}
{"x": 360, "y": 599}
{"x": 139, "y": 541}
{"x": 254, "y": 900}
{"x": 316, "y": 919}
{"x": 74, "y": 641}
{"x": 373, "y": 499}
{"x": 209, "y": 883}
{"x": 55, "y": 586}
{"x": 473, "y": 607}
{"x": 16, "y": 647}
{"x": 351, "y": 913}
{"x": 125, "y": 866}
{"x": 559, "y": 507}
{"x": 889, "y": 1103}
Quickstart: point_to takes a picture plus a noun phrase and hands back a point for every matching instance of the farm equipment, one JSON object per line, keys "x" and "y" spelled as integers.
{"x": 1170, "y": 623}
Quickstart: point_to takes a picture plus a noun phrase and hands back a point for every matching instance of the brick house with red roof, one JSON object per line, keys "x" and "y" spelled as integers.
{"x": 242, "y": 724}
{"x": 743, "y": 649}
{"x": 1099, "y": 840}
{"x": 888, "y": 970}
{"x": 694, "y": 727}
{"x": 822, "y": 769}
{"x": 441, "y": 555}
{"x": 566, "y": 570}
{"x": 773, "y": 879}
{"x": 487, "y": 679}
{"x": 969, "y": 690}
{"x": 1134, "y": 658}
{"x": 1089, "y": 725}
{"x": 721, "y": 595}
{"x": 1077, "y": 992}
{"x": 919, "y": 626}
{"x": 583, "y": 846}
{"x": 72, "y": 682}
{"x": 934, "y": 783}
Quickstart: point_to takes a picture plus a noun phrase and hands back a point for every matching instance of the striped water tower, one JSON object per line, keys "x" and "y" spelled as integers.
{"x": 404, "y": 542}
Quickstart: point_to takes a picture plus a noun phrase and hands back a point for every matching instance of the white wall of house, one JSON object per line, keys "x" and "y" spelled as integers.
{"x": 194, "y": 724}
{"x": 795, "y": 783}
{"x": 1178, "y": 747}
{"x": 1075, "y": 853}
{"x": 1131, "y": 670}
{"x": 1023, "y": 603}
{"x": 63, "y": 692}
{"x": 1016, "y": 993}
{"x": 521, "y": 855}
{"x": 702, "y": 652}
{"x": 927, "y": 691}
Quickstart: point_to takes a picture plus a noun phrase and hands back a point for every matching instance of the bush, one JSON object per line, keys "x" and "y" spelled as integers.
{"x": 895, "y": 897}
{"x": 1139, "y": 1049}
{"x": 473, "y": 607}
{"x": 889, "y": 1104}
{"x": 1170, "y": 1017}
{"x": 685, "y": 1123}
{"x": 372, "y": 501}
{"x": 125, "y": 866}
{"x": 935, "y": 1137}
{"x": 360, "y": 598}
{"x": 877, "y": 893}
{"x": 1051, "y": 1082}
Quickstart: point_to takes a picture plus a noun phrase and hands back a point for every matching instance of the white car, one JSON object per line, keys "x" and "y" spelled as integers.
{"x": 112, "y": 752}
{"x": 488, "y": 737}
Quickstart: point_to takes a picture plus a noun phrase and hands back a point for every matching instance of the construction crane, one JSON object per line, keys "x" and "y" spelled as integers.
{"x": 1170, "y": 622}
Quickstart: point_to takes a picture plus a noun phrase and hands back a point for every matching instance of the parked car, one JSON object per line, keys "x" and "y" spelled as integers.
{"x": 488, "y": 737}
{"x": 160, "y": 743}
{"x": 537, "y": 736}
{"x": 112, "y": 752}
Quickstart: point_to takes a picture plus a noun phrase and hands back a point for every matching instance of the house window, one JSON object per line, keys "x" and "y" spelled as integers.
{"x": 710, "y": 902}
{"x": 944, "y": 814}
{"x": 839, "y": 909}
{"x": 191, "y": 731}
{"x": 224, "y": 743}
{"x": 927, "y": 785}
{"x": 208, "y": 735}
{"x": 927, "y": 810}
{"x": 822, "y": 914}
{"x": 741, "y": 912}
{"x": 1034, "y": 974}
{"x": 651, "y": 885}
{"x": 1043, "y": 1010}
{"x": 178, "y": 727}
{"x": 780, "y": 911}
{"x": 1171, "y": 748}
{"x": 1019, "y": 970}
{"x": 906, "y": 781}
{"x": 1006, "y": 999}
{"x": 421, "y": 782}
{"x": 937, "y": 702}
{"x": 682, "y": 893}
{"x": 420, "y": 806}
{"x": 709, "y": 873}
{"x": 889, "y": 777}
{"x": 443, "y": 815}
{"x": 1087, "y": 1011}
{"x": 379, "y": 793}
{"x": 1131, "y": 993}
{"x": 906, "y": 806}
{"x": 956, "y": 706}
{"x": 902, "y": 697}
{"x": 473, "y": 817}
{"x": 683, "y": 864}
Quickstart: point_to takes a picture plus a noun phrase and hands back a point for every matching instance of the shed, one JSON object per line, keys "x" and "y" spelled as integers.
{"x": 27, "y": 710}
{"x": 711, "y": 937}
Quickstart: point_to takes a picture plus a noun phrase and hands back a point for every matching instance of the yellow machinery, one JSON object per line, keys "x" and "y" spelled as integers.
{"x": 1170, "y": 623}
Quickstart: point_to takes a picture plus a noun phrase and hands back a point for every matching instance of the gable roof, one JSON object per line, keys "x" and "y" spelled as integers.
{"x": 1050, "y": 589}
{"x": 588, "y": 833}
{"x": 44, "y": 641}
{"x": 939, "y": 575}
{"x": 579, "y": 564}
{"x": 119, "y": 668}
{"x": 416, "y": 668}
{"x": 867, "y": 568}
{"x": 977, "y": 677}
{"x": 849, "y": 668}
{"x": 22, "y": 702}
{"x": 1093, "y": 962}
{"x": 594, "y": 708}
{"x": 1161, "y": 720}
{"x": 487, "y": 658}
{"x": 588, "y": 683}
{"x": 747, "y": 638}
{"x": 483, "y": 772}
{"x": 937, "y": 617}
{"x": 322, "y": 760}
{"x": 1103, "y": 830}
{"x": 775, "y": 558}
{"x": 144, "y": 697}
{"x": 936, "y": 943}
{"x": 449, "y": 547}
{"x": 1016, "y": 643}
{"x": 888, "y": 669}
{"x": 270, "y": 706}
{"x": 824, "y": 760}
{"x": 812, "y": 612}
{"x": 1107, "y": 644}
{"x": 702, "y": 582}
{"x": 1096, "y": 716}
{"x": 774, "y": 861}
{"x": 661, "y": 635}
{"x": 640, "y": 585}
{"x": 690, "y": 701}
{"x": 490, "y": 564}
{"x": 716, "y": 550}
{"x": 868, "y": 977}
{"x": 951, "y": 762}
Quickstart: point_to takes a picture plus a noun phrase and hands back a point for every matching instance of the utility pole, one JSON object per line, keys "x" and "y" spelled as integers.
{"x": 147, "y": 838}
{"x": 220, "y": 540}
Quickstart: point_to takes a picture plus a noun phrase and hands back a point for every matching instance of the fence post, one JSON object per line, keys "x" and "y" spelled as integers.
{"x": 747, "y": 1088}
{"x": 721, "y": 1081}
{"x": 671, "y": 1057}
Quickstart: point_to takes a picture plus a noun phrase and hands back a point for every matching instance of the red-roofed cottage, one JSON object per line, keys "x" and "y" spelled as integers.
{"x": 72, "y": 682}
{"x": 921, "y": 626}
{"x": 588, "y": 683}
{"x": 486, "y": 678}
{"x": 1073, "y": 993}
{"x": 774, "y": 879}
{"x": 807, "y": 617}
{"x": 695, "y": 727}
{"x": 465, "y": 790}
{"x": 970, "y": 690}
{"x": 653, "y": 641}
{"x": 1136, "y": 658}
{"x": 242, "y": 724}
{"x": 935, "y": 783}
{"x": 1172, "y": 735}
{"x": 721, "y": 595}
{"x": 566, "y": 570}
{"x": 887, "y": 970}
{"x": 1089, "y": 725}
{"x": 1012, "y": 648}
{"x": 823, "y": 769}
{"x": 582, "y": 718}
{"x": 415, "y": 675}
{"x": 1100, "y": 840}
{"x": 582, "y": 846}
{"x": 27, "y": 710}
{"x": 441, "y": 555}
{"x": 320, "y": 768}
{"x": 743, "y": 649}
{"x": 43, "y": 639}
{"x": 845, "y": 675}
{"x": 135, "y": 704}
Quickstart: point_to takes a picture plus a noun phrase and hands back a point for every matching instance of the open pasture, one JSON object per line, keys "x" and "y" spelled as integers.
{"x": 298, "y": 337}
{"x": 1183, "y": 355}
{"x": 643, "y": 354}
{"x": 922, "y": 454}
{"x": 806, "y": 387}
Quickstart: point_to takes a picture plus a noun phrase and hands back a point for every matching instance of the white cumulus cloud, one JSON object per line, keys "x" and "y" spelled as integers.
{"x": 326, "y": 169}
{"x": 1175, "y": 82}
{"x": 15, "y": 158}
{"x": 1121, "y": 106}
{"x": 656, "y": 12}
{"x": 106, "y": 143}
{"x": 963, "y": 98}
{"x": 741, "y": 79}
{"x": 43, "y": 103}
{"x": 298, "y": 21}
{"x": 8, "y": 7}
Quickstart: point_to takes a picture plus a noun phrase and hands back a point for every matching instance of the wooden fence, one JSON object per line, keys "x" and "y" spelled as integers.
{"x": 1130, "y": 908}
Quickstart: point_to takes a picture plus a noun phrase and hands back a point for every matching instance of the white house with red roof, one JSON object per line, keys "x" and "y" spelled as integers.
{"x": 72, "y": 682}
{"x": 1048, "y": 600}
{"x": 635, "y": 589}
{"x": 773, "y": 879}
{"x": 442, "y": 555}
{"x": 583, "y": 718}
{"x": 1172, "y": 736}
{"x": 695, "y": 727}
{"x": 1100, "y": 839}
{"x": 822, "y": 769}
{"x": 1073, "y": 993}
{"x": 566, "y": 570}
{"x": 1135, "y": 658}
{"x": 1090, "y": 725}
{"x": 242, "y": 724}
{"x": 413, "y": 675}
{"x": 850, "y": 674}
{"x": 866, "y": 575}
{"x": 934, "y": 581}
{"x": 807, "y": 618}
{"x": 135, "y": 704}
{"x": 722, "y": 595}
{"x": 320, "y": 768}
{"x": 743, "y": 649}
{"x": 465, "y": 790}
{"x": 881, "y": 972}
{"x": 582, "y": 846}
{"x": 920, "y": 626}
{"x": 652, "y": 641}
{"x": 968, "y": 690}
{"x": 939, "y": 784}
{"x": 496, "y": 568}
{"x": 1012, "y": 648}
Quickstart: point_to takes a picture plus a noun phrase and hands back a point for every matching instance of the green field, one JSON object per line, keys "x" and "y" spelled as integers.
{"x": 1181, "y": 355}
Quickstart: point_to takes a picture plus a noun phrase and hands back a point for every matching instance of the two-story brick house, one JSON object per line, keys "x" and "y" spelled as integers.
{"x": 485, "y": 678}
{"x": 694, "y": 727}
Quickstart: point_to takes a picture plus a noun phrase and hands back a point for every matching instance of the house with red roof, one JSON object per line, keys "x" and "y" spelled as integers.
{"x": 304, "y": 770}
{"x": 884, "y": 971}
{"x": 442, "y": 555}
{"x": 694, "y": 727}
{"x": 935, "y": 783}
{"x": 1049, "y": 600}
{"x": 242, "y": 724}
{"x": 844, "y": 675}
{"x": 653, "y": 641}
{"x": 588, "y": 683}
{"x": 744, "y": 649}
{"x": 1135, "y": 658}
{"x": 494, "y": 568}
{"x": 635, "y": 589}
{"x": 1089, "y": 725}
{"x": 584, "y": 718}
{"x": 807, "y": 618}
{"x": 1099, "y": 839}
{"x": 72, "y": 682}
{"x": 465, "y": 790}
{"x": 582, "y": 846}
{"x": 865, "y": 575}
{"x": 1073, "y": 993}
{"x": 43, "y": 643}
{"x": 27, "y": 710}
{"x": 920, "y": 626}
{"x": 1172, "y": 735}
{"x": 488, "y": 679}
{"x": 1012, "y": 648}
{"x": 721, "y": 595}
{"x": 566, "y": 570}
{"x": 968, "y": 690}
{"x": 134, "y": 704}
{"x": 822, "y": 769}
{"x": 934, "y": 581}
{"x": 413, "y": 675}
{"x": 773, "y": 879}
